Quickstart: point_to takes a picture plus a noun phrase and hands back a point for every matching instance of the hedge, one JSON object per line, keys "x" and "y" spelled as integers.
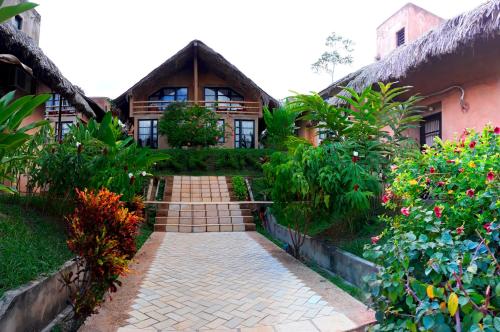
{"x": 213, "y": 159}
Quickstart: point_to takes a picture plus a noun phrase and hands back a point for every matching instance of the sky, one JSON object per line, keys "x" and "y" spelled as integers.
{"x": 106, "y": 46}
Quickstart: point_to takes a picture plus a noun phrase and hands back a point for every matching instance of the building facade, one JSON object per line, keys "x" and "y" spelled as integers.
{"x": 196, "y": 75}
{"x": 453, "y": 65}
{"x": 25, "y": 69}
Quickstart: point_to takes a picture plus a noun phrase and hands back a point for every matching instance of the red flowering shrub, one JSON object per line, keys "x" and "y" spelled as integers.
{"x": 102, "y": 234}
{"x": 440, "y": 267}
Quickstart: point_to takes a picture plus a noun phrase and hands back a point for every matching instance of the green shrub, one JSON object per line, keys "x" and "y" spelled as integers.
{"x": 240, "y": 188}
{"x": 440, "y": 269}
{"x": 186, "y": 125}
{"x": 95, "y": 156}
{"x": 212, "y": 160}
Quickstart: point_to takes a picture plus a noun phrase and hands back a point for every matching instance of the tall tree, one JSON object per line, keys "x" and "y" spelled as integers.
{"x": 338, "y": 53}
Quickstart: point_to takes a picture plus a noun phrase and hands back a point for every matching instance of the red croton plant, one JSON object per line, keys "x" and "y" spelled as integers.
{"x": 101, "y": 232}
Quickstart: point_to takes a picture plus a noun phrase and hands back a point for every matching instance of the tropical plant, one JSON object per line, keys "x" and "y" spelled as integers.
{"x": 101, "y": 233}
{"x": 240, "y": 188}
{"x": 339, "y": 53}
{"x": 97, "y": 155}
{"x": 440, "y": 269}
{"x": 280, "y": 125}
{"x": 7, "y": 12}
{"x": 193, "y": 126}
{"x": 12, "y": 134}
{"x": 339, "y": 181}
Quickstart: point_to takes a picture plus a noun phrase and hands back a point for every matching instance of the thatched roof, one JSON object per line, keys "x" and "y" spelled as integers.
{"x": 216, "y": 62}
{"x": 21, "y": 46}
{"x": 460, "y": 32}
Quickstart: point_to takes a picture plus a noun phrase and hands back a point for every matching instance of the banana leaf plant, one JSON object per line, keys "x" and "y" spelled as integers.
{"x": 12, "y": 134}
{"x": 7, "y": 12}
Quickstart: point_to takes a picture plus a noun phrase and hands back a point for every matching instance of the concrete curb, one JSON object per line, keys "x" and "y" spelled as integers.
{"x": 33, "y": 306}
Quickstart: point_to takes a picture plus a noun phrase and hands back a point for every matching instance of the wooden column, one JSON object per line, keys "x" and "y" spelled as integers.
{"x": 195, "y": 71}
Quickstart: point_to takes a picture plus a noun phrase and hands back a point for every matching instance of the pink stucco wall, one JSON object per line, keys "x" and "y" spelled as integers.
{"x": 483, "y": 99}
{"x": 415, "y": 20}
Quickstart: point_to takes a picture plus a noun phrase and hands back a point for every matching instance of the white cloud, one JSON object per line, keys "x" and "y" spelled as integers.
{"x": 105, "y": 46}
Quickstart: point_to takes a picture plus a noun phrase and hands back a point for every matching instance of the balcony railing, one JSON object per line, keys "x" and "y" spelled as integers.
{"x": 224, "y": 107}
{"x": 53, "y": 110}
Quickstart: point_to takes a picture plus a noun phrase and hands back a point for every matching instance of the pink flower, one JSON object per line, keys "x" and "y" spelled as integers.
{"x": 440, "y": 183}
{"x": 355, "y": 159}
{"x": 427, "y": 180}
{"x": 496, "y": 130}
{"x": 375, "y": 239}
{"x": 438, "y": 211}
{"x": 450, "y": 161}
{"x": 460, "y": 170}
{"x": 490, "y": 176}
{"x": 487, "y": 227}
{"x": 385, "y": 198}
{"x": 472, "y": 144}
{"x": 394, "y": 167}
{"x": 470, "y": 192}
{"x": 432, "y": 170}
{"x": 405, "y": 211}
{"x": 460, "y": 230}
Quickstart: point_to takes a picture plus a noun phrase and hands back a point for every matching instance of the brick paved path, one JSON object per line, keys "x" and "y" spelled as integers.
{"x": 227, "y": 281}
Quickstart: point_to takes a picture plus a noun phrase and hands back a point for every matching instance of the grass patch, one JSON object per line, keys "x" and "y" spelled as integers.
{"x": 146, "y": 228}
{"x": 354, "y": 242}
{"x": 31, "y": 245}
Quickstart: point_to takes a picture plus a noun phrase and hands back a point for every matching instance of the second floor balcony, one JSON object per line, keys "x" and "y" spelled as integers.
{"x": 223, "y": 107}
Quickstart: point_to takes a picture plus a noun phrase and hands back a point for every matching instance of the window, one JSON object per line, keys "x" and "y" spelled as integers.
{"x": 18, "y": 22}
{"x": 244, "y": 134}
{"x": 400, "y": 37}
{"x": 221, "y": 126}
{"x": 221, "y": 95}
{"x": 53, "y": 103}
{"x": 65, "y": 128}
{"x": 168, "y": 95}
{"x": 148, "y": 133}
{"x": 430, "y": 128}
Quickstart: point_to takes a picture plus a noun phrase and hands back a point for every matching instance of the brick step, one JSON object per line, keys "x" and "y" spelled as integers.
{"x": 203, "y": 213}
{"x": 204, "y": 228}
{"x": 199, "y": 220}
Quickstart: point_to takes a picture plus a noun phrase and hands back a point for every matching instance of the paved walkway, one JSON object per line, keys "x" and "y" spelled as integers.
{"x": 231, "y": 281}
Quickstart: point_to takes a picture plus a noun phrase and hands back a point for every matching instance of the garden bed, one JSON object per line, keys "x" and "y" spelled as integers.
{"x": 213, "y": 161}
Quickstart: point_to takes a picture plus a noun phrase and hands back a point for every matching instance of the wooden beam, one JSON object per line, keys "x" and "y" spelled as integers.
{"x": 195, "y": 70}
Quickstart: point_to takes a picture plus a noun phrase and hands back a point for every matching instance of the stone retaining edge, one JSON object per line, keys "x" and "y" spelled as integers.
{"x": 348, "y": 266}
{"x": 31, "y": 307}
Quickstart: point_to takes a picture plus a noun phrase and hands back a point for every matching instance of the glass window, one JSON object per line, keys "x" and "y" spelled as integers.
{"x": 18, "y": 22}
{"x": 244, "y": 134}
{"x": 221, "y": 126}
{"x": 225, "y": 99}
{"x": 148, "y": 133}
{"x": 168, "y": 95}
{"x": 65, "y": 128}
{"x": 430, "y": 128}
{"x": 400, "y": 37}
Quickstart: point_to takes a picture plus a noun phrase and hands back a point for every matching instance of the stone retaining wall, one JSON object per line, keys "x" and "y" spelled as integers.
{"x": 344, "y": 264}
{"x": 33, "y": 306}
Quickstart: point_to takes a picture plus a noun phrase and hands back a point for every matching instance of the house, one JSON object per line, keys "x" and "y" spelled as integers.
{"x": 454, "y": 65}
{"x": 27, "y": 70}
{"x": 196, "y": 75}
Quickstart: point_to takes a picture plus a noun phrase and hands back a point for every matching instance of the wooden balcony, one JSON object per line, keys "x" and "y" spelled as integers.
{"x": 53, "y": 111}
{"x": 222, "y": 107}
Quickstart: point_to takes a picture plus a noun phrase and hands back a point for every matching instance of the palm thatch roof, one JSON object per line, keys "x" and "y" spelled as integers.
{"x": 22, "y": 47}
{"x": 461, "y": 32}
{"x": 213, "y": 59}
